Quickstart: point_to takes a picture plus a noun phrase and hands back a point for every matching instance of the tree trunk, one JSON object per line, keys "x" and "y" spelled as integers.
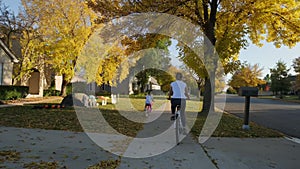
{"x": 209, "y": 93}
{"x": 206, "y": 96}
{"x": 211, "y": 62}
{"x": 210, "y": 57}
{"x": 64, "y": 84}
{"x": 199, "y": 93}
{"x": 42, "y": 77}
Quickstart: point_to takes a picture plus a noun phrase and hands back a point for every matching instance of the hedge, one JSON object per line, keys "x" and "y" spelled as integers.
{"x": 13, "y": 92}
{"x": 52, "y": 92}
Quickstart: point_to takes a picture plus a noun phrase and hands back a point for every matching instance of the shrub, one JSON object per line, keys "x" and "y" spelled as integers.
{"x": 13, "y": 92}
{"x": 231, "y": 90}
{"x": 69, "y": 89}
{"x": 12, "y": 95}
{"x": 51, "y": 92}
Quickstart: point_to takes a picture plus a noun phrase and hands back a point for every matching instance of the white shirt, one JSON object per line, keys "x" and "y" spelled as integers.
{"x": 178, "y": 88}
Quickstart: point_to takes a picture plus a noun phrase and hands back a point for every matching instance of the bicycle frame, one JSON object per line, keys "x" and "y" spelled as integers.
{"x": 178, "y": 124}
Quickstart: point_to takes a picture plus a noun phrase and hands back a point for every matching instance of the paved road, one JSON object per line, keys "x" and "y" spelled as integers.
{"x": 279, "y": 115}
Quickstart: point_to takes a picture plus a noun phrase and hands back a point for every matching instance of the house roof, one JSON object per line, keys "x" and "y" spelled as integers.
{"x": 153, "y": 80}
{"x": 8, "y": 52}
{"x": 78, "y": 78}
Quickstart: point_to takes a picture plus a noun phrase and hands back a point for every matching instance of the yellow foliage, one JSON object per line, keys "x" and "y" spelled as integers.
{"x": 64, "y": 27}
{"x": 247, "y": 76}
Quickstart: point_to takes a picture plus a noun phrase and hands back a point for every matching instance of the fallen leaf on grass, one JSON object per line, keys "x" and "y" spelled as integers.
{"x": 41, "y": 165}
{"x": 106, "y": 164}
{"x": 9, "y": 155}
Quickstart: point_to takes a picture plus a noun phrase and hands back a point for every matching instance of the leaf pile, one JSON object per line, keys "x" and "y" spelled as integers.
{"x": 9, "y": 155}
{"x": 41, "y": 165}
{"x": 106, "y": 164}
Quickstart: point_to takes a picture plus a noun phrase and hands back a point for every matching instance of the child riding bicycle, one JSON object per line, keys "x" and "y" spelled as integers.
{"x": 148, "y": 103}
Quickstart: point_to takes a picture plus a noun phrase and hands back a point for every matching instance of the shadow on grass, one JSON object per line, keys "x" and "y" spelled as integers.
{"x": 61, "y": 119}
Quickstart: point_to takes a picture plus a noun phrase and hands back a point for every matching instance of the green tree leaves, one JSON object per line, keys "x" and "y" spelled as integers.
{"x": 279, "y": 78}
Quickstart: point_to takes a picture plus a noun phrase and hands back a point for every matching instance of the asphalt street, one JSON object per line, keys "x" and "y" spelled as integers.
{"x": 276, "y": 114}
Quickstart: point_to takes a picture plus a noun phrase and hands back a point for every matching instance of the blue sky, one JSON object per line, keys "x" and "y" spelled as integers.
{"x": 266, "y": 56}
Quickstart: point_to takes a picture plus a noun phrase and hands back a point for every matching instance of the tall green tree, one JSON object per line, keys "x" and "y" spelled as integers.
{"x": 279, "y": 78}
{"x": 226, "y": 23}
{"x": 153, "y": 63}
{"x": 296, "y": 66}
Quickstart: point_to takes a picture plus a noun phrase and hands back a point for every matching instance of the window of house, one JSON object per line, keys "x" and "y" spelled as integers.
{"x": 91, "y": 86}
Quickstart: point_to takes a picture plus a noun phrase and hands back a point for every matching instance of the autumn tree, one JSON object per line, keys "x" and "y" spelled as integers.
{"x": 279, "y": 78}
{"x": 9, "y": 24}
{"x": 64, "y": 27}
{"x": 19, "y": 35}
{"x": 248, "y": 76}
{"x": 196, "y": 66}
{"x": 226, "y": 24}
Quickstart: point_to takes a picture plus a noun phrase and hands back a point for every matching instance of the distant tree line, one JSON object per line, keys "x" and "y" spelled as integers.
{"x": 279, "y": 81}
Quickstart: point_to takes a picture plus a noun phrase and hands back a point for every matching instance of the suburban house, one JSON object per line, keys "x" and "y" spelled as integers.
{"x": 151, "y": 85}
{"x": 7, "y": 60}
{"x": 127, "y": 86}
{"x": 92, "y": 88}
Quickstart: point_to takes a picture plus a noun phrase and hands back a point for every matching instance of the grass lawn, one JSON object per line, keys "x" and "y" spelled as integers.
{"x": 231, "y": 126}
{"x": 288, "y": 98}
{"x": 66, "y": 119}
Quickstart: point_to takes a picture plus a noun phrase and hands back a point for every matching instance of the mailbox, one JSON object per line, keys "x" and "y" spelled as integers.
{"x": 248, "y": 91}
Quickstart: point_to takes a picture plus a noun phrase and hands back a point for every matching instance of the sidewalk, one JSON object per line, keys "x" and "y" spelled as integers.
{"x": 187, "y": 155}
{"x": 76, "y": 150}
{"x": 70, "y": 149}
{"x": 254, "y": 153}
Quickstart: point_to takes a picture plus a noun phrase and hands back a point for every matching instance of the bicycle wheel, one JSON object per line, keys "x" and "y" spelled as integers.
{"x": 177, "y": 130}
{"x": 146, "y": 112}
{"x": 178, "y": 126}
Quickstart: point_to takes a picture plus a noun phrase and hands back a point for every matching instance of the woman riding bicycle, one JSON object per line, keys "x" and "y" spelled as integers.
{"x": 178, "y": 94}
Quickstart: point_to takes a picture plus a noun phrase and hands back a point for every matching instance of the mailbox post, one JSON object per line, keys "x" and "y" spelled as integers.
{"x": 247, "y": 92}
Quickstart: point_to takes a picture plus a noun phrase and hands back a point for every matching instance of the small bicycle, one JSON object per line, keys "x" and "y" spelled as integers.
{"x": 179, "y": 129}
{"x": 147, "y": 110}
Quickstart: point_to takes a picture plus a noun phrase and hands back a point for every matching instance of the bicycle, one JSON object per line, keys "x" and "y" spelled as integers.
{"x": 147, "y": 110}
{"x": 179, "y": 129}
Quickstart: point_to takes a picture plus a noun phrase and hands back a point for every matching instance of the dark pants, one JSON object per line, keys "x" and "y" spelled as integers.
{"x": 182, "y": 104}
